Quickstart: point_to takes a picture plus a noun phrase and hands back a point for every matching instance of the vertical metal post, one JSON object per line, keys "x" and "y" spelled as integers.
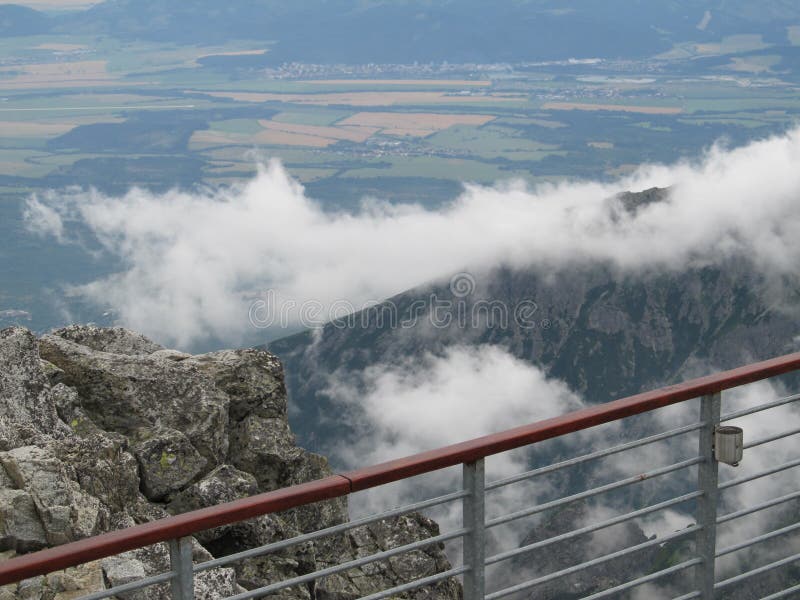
{"x": 706, "y": 540}
{"x": 475, "y": 539}
{"x": 180, "y": 558}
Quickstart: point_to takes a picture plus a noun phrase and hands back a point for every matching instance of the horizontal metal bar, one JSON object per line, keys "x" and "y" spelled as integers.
{"x": 689, "y": 596}
{"x": 771, "y": 438}
{"x": 274, "y": 587}
{"x": 644, "y": 579}
{"x": 759, "y": 538}
{"x": 754, "y": 409}
{"x": 593, "y": 492}
{"x": 417, "y": 583}
{"x": 591, "y": 563}
{"x": 129, "y": 587}
{"x": 758, "y": 507}
{"x": 589, "y": 528}
{"x": 592, "y": 455}
{"x": 779, "y": 563}
{"x": 732, "y": 482}
{"x": 782, "y": 593}
{"x": 333, "y": 530}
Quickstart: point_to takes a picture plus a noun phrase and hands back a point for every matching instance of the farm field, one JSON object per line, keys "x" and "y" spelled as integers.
{"x": 362, "y": 98}
{"x": 76, "y": 110}
{"x": 647, "y": 110}
{"x": 165, "y": 101}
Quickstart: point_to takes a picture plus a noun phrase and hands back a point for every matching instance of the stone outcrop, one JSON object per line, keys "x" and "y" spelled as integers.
{"x": 102, "y": 429}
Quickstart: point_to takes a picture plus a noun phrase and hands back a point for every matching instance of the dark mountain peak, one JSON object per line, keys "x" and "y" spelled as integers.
{"x": 18, "y": 20}
{"x": 633, "y": 201}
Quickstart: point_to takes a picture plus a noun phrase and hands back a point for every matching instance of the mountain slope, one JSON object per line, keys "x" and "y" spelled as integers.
{"x": 353, "y": 31}
{"x": 604, "y": 333}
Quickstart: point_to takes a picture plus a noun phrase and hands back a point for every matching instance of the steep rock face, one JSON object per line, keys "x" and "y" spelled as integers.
{"x": 102, "y": 429}
{"x": 606, "y": 335}
{"x": 27, "y": 408}
{"x": 582, "y": 548}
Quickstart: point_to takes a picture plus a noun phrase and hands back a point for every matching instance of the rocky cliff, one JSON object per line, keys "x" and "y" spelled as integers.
{"x": 605, "y": 334}
{"x": 102, "y": 429}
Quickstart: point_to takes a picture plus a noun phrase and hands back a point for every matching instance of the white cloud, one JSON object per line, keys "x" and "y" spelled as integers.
{"x": 195, "y": 261}
{"x": 478, "y": 390}
{"x": 423, "y": 403}
{"x": 42, "y": 219}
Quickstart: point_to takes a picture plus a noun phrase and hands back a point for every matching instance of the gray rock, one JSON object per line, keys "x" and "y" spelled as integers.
{"x": 252, "y": 378}
{"x": 123, "y": 393}
{"x": 168, "y": 354}
{"x": 262, "y": 446}
{"x": 168, "y": 462}
{"x": 223, "y": 484}
{"x": 62, "y": 585}
{"x": 116, "y": 340}
{"x": 121, "y": 569}
{"x": 53, "y": 374}
{"x": 21, "y": 529}
{"x": 66, "y": 511}
{"x": 103, "y": 468}
{"x": 103, "y": 429}
{"x": 5, "y": 479}
{"x": 215, "y": 584}
{"x": 373, "y": 577}
{"x": 24, "y": 390}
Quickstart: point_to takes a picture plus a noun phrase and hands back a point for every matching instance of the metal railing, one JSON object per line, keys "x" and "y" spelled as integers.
{"x": 178, "y": 530}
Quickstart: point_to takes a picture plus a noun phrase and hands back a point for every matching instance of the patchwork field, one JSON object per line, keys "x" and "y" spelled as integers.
{"x": 192, "y": 119}
{"x": 647, "y": 110}
{"x": 285, "y": 138}
{"x": 363, "y": 98}
{"x": 352, "y": 134}
{"x": 414, "y": 121}
{"x": 71, "y": 74}
{"x": 57, "y": 4}
{"x": 25, "y": 129}
{"x": 60, "y": 47}
{"x": 404, "y": 82}
{"x": 492, "y": 142}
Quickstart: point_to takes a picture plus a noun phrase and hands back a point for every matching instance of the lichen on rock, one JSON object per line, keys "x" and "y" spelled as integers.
{"x": 101, "y": 428}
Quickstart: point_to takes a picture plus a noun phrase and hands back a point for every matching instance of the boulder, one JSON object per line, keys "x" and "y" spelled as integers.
{"x": 66, "y": 511}
{"x": 253, "y": 379}
{"x": 102, "y": 429}
{"x": 21, "y": 529}
{"x": 168, "y": 461}
{"x": 124, "y": 393}
{"x": 25, "y": 402}
{"x": 116, "y": 340}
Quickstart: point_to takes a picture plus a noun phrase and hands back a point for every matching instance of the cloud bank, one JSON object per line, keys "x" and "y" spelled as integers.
{"x": 478, "y": 390}
{"x": 467, "y": 391}
{"x": 194, "y": 262}
{"x": 425, "y": 402}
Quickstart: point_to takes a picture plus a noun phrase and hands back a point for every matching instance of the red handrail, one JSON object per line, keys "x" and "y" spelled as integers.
{"x": 335, "y": 486}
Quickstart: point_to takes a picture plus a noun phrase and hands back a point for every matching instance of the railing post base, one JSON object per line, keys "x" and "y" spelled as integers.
{"x": 475, "y": 540}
